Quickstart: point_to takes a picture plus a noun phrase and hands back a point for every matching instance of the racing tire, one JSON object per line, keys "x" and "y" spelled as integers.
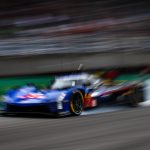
{"x": 135, "y": 98}
{"x": 133, "y": 102}
{"x": 76, "y": 103}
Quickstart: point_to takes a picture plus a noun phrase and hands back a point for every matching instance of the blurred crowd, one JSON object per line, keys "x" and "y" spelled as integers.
{"x": 49, "y": 26}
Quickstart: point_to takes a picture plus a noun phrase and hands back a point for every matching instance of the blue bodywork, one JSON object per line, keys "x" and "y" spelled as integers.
{"x": 31, "y": 99}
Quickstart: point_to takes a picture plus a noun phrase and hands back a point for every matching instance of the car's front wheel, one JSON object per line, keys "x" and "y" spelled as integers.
{"x": 76, "y": 103}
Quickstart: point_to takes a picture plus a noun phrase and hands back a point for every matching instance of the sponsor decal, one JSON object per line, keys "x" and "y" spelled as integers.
{"x": 32, "y": 96}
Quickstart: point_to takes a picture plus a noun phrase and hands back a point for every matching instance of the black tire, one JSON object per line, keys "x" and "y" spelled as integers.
{"x": 133, "y": 102}
{"x": 140, "y": 93}
{"x": 135, "y": 98}
{"x": 76, "y": 103}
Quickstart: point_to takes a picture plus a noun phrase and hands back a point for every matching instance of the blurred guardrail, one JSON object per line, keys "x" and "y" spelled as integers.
{"x": 74, "y": 44}
{"x": 70, "y": 62}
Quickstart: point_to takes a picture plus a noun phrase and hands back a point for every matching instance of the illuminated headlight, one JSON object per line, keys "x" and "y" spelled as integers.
{"x": 59, "y": 101}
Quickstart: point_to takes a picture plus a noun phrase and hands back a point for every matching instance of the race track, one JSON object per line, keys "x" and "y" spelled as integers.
{"x": 128, "y": 129}
{"x": 106, "y": 128}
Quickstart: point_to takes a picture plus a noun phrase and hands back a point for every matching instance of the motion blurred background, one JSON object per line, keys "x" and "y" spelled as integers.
{"x": 41, "y": 38}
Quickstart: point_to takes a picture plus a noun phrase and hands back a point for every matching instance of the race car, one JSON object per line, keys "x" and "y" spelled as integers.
{"x": 67, "y": 95}
{"x": 124, "y": 93}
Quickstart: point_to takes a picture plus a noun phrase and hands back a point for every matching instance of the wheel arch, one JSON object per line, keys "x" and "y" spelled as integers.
{"x": 72, "y": 109}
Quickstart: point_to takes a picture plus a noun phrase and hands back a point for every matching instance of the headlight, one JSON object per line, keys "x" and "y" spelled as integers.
{"x": 59, "y": 101}
{"x": 61, "y": 97}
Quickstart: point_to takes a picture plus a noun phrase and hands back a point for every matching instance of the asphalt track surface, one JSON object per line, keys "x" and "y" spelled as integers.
{"x": 127, "y": 129}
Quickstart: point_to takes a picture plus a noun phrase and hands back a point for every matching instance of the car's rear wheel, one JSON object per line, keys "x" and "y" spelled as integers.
{"x": 135, "y": 98}
{"x": 76, "y": 103}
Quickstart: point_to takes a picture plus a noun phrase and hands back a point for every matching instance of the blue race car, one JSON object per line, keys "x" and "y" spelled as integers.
{"x": 66, "y": 96}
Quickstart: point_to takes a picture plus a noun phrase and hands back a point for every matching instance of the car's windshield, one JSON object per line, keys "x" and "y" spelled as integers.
{"x": 62, "y": 84}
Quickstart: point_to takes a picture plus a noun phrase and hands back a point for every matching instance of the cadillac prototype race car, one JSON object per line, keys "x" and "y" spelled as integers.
{"x": 67, "y": 95}
{"x": 71, "y": 94}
